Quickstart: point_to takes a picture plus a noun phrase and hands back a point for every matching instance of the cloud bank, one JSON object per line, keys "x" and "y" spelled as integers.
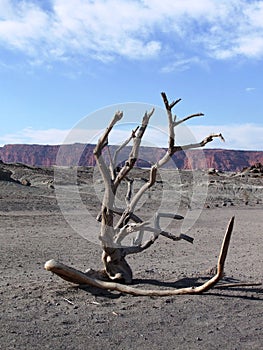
{"x": 58, "y": 30}
{"x": 240, "y": 137}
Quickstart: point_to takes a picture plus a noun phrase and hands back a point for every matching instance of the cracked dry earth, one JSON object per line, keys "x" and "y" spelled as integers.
{"x": 41, "y": 311}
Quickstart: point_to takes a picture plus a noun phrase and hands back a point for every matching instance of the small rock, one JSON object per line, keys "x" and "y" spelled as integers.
{"x": 25, "y": 182}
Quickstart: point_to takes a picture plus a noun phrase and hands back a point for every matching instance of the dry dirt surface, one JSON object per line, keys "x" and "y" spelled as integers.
{"x": 41, "y": 311}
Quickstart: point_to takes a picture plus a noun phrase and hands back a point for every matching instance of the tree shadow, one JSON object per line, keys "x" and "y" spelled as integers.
{"x": 198, "y": 281}
{"x": 98, "y": 292}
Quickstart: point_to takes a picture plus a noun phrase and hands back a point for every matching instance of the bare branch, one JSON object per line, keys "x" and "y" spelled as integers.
{"x": 170, "y": 127}
{"x": 176, "y": 238}
{"x": 127, "y": 229}
{"x": 160, "y": 163}
{"x": 135, "y": 149}
{"x": 135, "y": 218}
{"x": 103, "y": 141}
{"x": 159, "y": 215}
{"x": 157, "y": 228}
{"x": 106, "y": 231}
{"x": 104, "y": 138}
{"x": 171, "y": 124}
{"x": 111, "y": 167}
{"x": 168, "y": 105}
{"x": 129, "y": 190}
{"x": 141, "y": 247}
{"x": 187, "y": 118}
{"x": 208, "y": 139}
{"x": 120, "y": 211}
{"x": 133, "y": 156}
{"x": 124, "y": 144}
{"x": 142, "y": 226}
{"x": 169, "y": 235}
{"x": 126, "y": 214}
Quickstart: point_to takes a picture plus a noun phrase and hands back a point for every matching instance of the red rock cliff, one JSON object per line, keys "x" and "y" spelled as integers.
{"x": 81, "y": 154}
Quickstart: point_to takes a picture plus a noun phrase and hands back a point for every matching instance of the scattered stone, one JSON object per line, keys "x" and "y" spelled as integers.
{"x": 50, "y": 185}
{"x": 211, "y": 171}
{"x": 25, "y": 182}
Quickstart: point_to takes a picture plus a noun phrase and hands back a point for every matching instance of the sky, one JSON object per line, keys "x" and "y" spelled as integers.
{"x": 67, "y": 66}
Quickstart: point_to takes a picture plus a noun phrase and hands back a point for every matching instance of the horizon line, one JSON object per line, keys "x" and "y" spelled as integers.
{"x": 161, "y": 147}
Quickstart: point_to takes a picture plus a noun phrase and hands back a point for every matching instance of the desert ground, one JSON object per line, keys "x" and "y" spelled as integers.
{"x": 41, "y": 311}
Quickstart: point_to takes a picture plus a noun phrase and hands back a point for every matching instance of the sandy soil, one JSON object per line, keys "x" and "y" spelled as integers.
{"x": 41, "y": 311}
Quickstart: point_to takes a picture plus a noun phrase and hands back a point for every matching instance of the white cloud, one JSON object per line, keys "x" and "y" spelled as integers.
{"x": 237, "y": 136}
{"x": 105, "y": 29}
{"x": 183, "y": 64}
{"x": 23, "y": 26}
{"x": 250, "y": 89}
{"x": 250, "y": 46}
{"x": 33, "y": 136}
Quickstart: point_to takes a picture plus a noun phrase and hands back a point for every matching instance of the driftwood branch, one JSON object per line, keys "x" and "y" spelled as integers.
{"x": 75, "y": 276}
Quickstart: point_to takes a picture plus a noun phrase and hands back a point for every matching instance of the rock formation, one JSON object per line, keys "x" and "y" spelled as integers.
{"x": 81, "y": 154}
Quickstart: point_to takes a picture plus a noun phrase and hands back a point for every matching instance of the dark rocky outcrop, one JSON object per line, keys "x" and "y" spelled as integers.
{"x": 5, "y": 175}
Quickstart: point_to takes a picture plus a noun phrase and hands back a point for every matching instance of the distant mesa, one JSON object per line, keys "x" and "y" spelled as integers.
{"x": 82, "y": 155}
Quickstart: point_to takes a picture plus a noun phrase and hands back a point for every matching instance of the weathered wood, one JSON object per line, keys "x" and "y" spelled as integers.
{"x": 77, "y": 277}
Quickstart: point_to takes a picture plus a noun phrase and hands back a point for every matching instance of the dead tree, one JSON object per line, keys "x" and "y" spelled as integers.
{"x": 118, "y": 223}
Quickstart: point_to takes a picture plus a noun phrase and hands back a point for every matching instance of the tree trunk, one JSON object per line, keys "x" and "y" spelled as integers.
{"x": 115, "y": 265}
{"x": 113, "y": 258}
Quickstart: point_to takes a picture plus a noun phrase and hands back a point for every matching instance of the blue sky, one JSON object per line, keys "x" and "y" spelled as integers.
{"x": 61, "y": 61}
